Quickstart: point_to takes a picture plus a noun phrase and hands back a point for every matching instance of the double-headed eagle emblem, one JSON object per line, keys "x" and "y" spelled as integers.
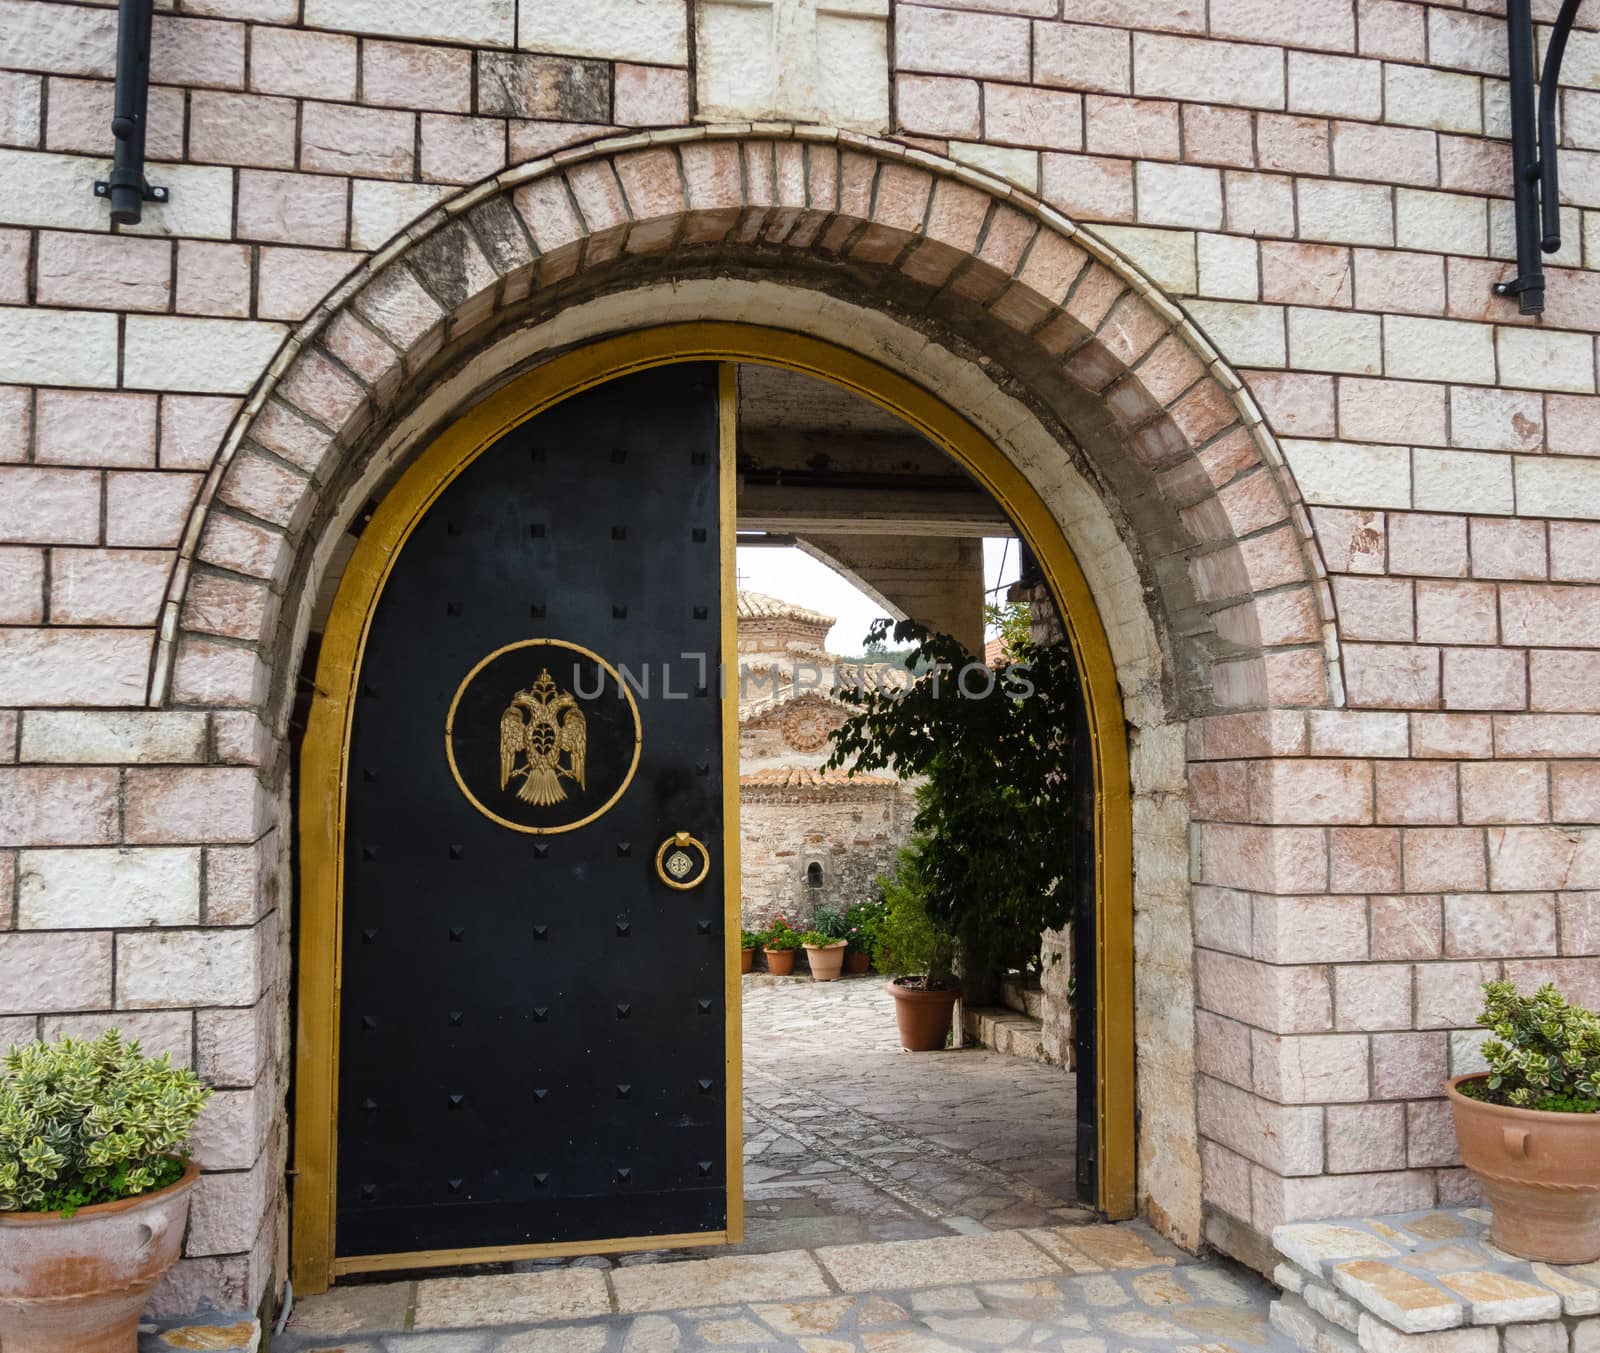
{"x": 541, "y": 724}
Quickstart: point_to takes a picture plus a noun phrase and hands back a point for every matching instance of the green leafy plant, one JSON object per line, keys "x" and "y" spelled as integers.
{"x": 83, "y": 1123}
{"x": 749, "y": 939}
{"x": 994, "y": 814}
{"x": 829, "y": 921}
{"x": 861, "y": 923}
{"x": 1012, "y": 623}
{"x": 1544, "y": 1053}
{"x": 816, "y": 939}
{"x": 782, "y": 936}
{"x": 912, "y": 944}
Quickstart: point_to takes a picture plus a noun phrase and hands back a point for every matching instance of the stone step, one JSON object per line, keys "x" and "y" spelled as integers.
{"x": 1023, "y": 997}
{"x": 1004, "y": 1030}
{"x": 1425, "y": 1282}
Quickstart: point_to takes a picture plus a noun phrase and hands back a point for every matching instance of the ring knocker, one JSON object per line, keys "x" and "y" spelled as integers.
{"x": 677, "y": 864}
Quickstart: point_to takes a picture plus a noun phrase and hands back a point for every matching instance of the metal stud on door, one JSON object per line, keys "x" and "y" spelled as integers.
{"x": 533, "y": 1034}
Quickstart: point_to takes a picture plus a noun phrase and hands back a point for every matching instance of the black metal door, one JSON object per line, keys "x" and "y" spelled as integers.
{"x": 532, "y": 1029}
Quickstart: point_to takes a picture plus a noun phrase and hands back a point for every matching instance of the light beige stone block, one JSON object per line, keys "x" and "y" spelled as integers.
{"x": 1447, "y": 223}
{"x": 1351, "y": 474}
{"x": 1179, "y": 195}
{"x": 380, "y": 211}
{"x": 162, "y": 968}
{"x": 58, "y": 347}
{"x": 1461, "y": 481}
{"x": 1328, "y": 340}
{"x": 510, "y": 1298}
{"x": 104, "y": 889}
{"x": 489, "y": 22}
{"x": 1419, "y": 97}
{"x": 619, "y": 30}
{"x": 217, "y": 356}
{"x": 710, "y": 1282}
{"x": 1249, "y": 335}
{"x": 1401, "y": 1299}
{"x": 928, "y": 1263}
{"x": 1228, "y": 267}
{"x": 1558, "y": 487}
{"x": 1497, "y": 1299}
{"x": 1438, "y": 349}
{"x": 1545, "y": 359}
{"x": 1167, "y": 256}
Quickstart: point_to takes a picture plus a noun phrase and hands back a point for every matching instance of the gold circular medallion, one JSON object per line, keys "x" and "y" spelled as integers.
{"x": 543, "y": 736}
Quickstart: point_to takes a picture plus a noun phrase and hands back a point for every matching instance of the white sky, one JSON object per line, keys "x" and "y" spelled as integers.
{"x": 791, "y": 575}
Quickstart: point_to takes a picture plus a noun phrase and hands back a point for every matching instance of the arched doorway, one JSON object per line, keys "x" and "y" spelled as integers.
{"x": 326, "y": 776}
{"x": 1142, "y": 446}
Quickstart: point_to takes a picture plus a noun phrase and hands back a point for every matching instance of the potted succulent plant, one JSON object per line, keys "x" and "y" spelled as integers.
{"x": 825, "y": 944}
{"x": 749, "y": 942}
{"x": 921, "y": 953}
{"x": 861, "y": 923}
{"x": 1529, "y": 1127}
{"x": 94, "y": 1190}
{"x": 779, "y": 944}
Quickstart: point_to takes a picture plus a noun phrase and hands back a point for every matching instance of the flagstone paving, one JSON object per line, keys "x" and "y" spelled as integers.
{"x": 1097, "y": 1289}
{"x": 895, "y": 1203}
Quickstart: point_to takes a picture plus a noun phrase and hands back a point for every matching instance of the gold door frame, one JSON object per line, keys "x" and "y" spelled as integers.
{"x": 323, "y": 767}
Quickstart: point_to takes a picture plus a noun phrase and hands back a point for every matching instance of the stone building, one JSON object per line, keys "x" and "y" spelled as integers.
{"x": 1202, "y": 295}
{"x": 809, "y": 838}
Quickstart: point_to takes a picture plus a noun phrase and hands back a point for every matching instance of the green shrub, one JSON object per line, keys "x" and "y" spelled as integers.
{"x": 861, "y": 923}
{"x": 911, "y": 941}
{"x": 816, "y": 939}
{"x": 749, "y": 939}
{"x": 91, "y": 1122}
{"x": 830, "y": 922}
{"x": 1544, "y": 1053}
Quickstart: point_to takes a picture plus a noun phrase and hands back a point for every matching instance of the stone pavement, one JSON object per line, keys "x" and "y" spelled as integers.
{"x": 895, "y": 1203}
{"x": 1084, "y": 1289}
{"x": 850, "y": 1138}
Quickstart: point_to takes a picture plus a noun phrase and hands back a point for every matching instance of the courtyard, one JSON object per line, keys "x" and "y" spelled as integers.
{"x": 895, "y": 1203}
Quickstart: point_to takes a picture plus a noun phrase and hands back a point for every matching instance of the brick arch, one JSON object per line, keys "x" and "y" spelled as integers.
{"x": 1156, "y": 423}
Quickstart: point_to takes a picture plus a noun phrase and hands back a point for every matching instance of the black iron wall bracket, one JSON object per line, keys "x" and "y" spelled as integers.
{"x": 1535, "y": 149}
{"x": 127, "y": 187}
{"x": 147, "y": 192}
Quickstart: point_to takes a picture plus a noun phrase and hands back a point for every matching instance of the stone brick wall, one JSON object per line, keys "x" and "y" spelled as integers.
{"x": 853, "y": 831}
{"x": 1228, "y": 270}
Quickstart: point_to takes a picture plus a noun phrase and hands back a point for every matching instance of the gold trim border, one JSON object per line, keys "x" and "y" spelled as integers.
{"x": 609, "y": 804}
{"x": 505, "y": 1254}
{"x": 323, "y": 768}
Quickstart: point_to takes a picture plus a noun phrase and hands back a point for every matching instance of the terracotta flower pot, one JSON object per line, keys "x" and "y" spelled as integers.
{"x": 80, "y": 1283}
{"x": 857, "y": 962}
{"x": 826, "y": 960}
{"x": 747, "y": 960}
{"x": 923, "y": 1016}
{"x": 1541, "y": 1172}
{"x": 780, "y": 962}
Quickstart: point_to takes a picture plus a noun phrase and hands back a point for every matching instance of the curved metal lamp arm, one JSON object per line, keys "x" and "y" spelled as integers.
{"x": 1549, "y": 143}
{"x": 1535, "y": 150}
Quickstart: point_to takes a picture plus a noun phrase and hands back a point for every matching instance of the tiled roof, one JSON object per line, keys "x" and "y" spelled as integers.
{"x": 812, "y": 777}
{"x": 759, "y": 606}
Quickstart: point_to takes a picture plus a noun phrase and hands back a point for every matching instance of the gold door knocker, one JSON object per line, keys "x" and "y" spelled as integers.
{"x": 675, "y": 865}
